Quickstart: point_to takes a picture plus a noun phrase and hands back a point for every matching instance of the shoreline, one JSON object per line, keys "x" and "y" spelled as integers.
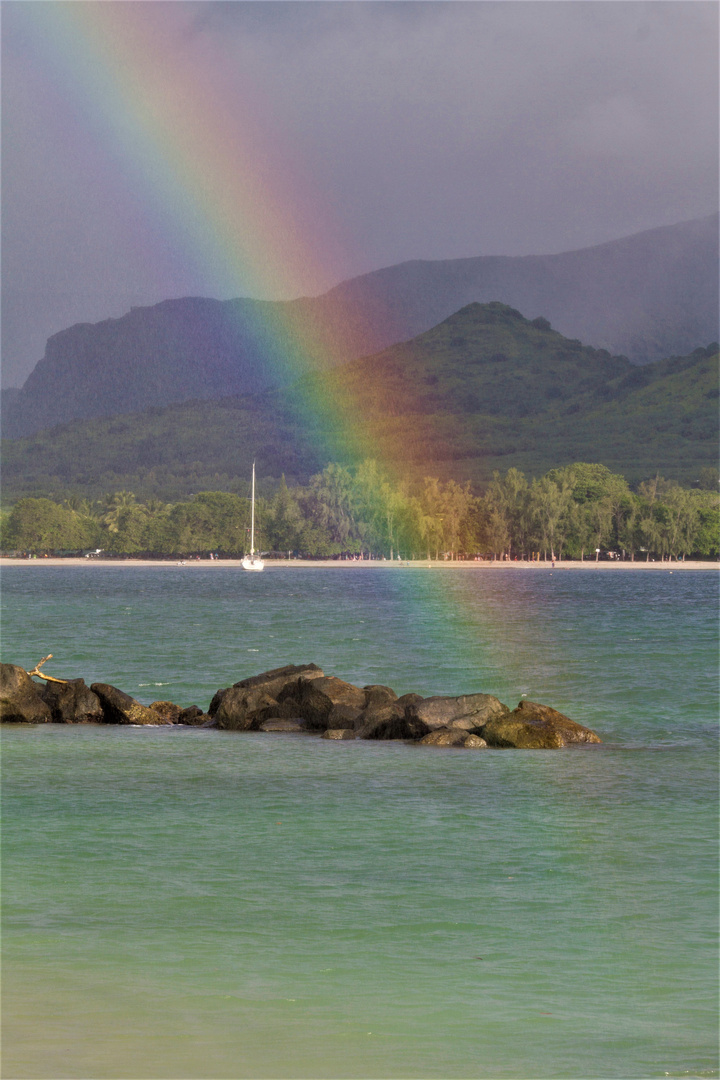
{"x": 385, "y": 564}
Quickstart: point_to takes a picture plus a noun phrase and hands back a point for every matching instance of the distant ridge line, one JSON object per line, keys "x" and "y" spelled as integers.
{"x": 646, "y": 297}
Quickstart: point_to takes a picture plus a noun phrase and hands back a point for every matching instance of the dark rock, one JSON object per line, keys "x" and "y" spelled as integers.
{"x": 20, "y": 700}
{"x": 280, "y": 679}
{"x": 277, "y": 723}
{"x": 379, "y": 695}
{"x": 469, "y": 712}
{"x": 288, "y": 709}
{"x": 533, "y": 726}
{"x": 444, "y": 737}
{"x": 409, "y": 699}
{"x": 168, "y": 711}
{"x": 72, "y": 702}
{"x": 193, "y": 716}
{"x": 338, "y": 733}
{"x": 344, "y": 716}
{"x": 119, "y": 708}
{"x": 319, "y": 695}
{"x": 217, "y": 698}
{"x": 244, "y": 709}
{"x": 388, "y": 722}
{"x": 293, "y": 690}
{"x": 474, "y": 742}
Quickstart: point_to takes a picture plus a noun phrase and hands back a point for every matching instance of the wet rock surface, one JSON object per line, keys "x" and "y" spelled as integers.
{"x": 20, "y": 700}
{"x": 536, "y": 727}
{"x": 469, "y": 711}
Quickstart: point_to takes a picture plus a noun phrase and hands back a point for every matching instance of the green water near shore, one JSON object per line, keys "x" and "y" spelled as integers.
{"x": 203, "y": 904}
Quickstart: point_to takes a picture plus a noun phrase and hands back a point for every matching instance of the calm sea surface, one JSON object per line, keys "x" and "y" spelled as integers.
{"x": 205, "y": 905}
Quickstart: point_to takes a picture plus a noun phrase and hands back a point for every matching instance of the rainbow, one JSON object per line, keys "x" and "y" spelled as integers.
{"x": 211, "y": 178}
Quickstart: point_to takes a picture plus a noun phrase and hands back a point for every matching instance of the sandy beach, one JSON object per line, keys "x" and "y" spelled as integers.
{"x": 382, "y": 564}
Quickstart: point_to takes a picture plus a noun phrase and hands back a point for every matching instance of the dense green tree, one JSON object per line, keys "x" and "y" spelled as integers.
{"x": 707, "y": 537}
{"x": 214, "y": 521}
{"x": 42, "y": 525}
{"x": 284, "y": 522}
{"x": 571, "y": 510}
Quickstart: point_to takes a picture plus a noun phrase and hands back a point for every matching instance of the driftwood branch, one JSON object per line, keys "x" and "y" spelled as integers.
{"x": 48, "y": 678}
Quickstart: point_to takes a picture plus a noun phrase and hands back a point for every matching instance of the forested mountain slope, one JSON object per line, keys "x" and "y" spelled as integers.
{"x": 486, "y": 389}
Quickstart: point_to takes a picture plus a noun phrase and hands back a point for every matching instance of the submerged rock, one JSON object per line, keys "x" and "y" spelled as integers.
{"x": 338, "y": 733}
{"x": 72, "y": 702}
{"x": 20, "y": 699}
{"x": 536, "y": 727}
{"x": 119, "y": 708}
{"x": 280, "y": 724}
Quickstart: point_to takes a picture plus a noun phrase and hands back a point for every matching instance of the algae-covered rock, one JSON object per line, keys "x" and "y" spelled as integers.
{"x": 167, "y": 710}
{"x": 20, "y": 700}
{"x": 536, "y": 727}
{"x": 119, "y": 708}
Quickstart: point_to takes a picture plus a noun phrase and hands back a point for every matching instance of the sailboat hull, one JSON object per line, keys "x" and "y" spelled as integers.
{"x": 252, "y": 563}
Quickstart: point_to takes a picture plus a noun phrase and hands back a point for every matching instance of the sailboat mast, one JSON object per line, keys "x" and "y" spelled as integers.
{"x": 252, "y": 515}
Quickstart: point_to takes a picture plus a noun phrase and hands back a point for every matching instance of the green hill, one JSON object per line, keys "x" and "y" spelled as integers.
{"x": 485, "y": 389}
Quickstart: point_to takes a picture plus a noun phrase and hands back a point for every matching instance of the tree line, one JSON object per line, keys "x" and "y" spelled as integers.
{"x": 569, "y": 512}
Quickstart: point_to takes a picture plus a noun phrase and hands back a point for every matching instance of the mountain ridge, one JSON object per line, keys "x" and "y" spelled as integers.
{"x": 647, "y": 296}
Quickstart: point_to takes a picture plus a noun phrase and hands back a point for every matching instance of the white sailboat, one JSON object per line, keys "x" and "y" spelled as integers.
{"x": 252, "y": 561}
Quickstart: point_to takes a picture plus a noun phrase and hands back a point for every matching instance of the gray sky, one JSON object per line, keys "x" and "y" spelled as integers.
{"x": 406, "y": 130}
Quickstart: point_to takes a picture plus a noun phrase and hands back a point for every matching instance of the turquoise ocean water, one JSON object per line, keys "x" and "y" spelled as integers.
{"x": 198, "y": 904}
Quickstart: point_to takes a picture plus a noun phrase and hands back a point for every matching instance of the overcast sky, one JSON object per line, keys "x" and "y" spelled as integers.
{"x": 416, "y": 130}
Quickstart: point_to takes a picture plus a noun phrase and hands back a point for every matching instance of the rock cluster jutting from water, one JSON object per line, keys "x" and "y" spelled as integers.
{"x": 302, "y": 700}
